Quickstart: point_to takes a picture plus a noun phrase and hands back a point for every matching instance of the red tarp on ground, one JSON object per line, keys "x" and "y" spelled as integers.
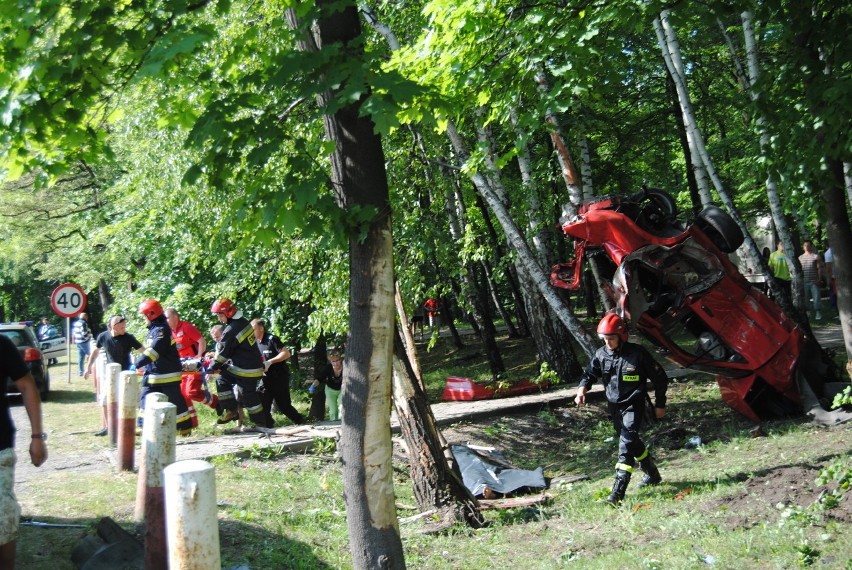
{"x": 465, "y": 389}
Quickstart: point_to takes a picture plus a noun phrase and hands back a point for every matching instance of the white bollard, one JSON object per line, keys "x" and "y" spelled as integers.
{"x": 111, "y": 378}
{"x": 128, "y": 401}
{"x": 191, "y": 519}
{"x": 158, "y": 443}
{"x": 142, "y": 482}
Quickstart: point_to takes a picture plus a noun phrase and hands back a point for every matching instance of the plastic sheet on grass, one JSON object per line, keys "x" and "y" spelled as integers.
{"x": 485, "y": 468}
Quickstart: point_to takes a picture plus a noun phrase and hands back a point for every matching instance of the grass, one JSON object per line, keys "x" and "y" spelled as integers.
{"x": 287, "y": 510}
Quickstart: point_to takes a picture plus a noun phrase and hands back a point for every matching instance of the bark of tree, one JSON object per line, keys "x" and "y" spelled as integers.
{"x": 671, "y": 54}
{"x": 553, "y": 343}
{"x": 511, "y": 278}
{"x": 691, "y": 182}
{"x": 359, "y": 180}
{"x": 484, "y": 326}
{"x": 569, "y": 171}
{"x": 437, "y": 484}
{"x": 516, "y": 240}
{"x": 795, "y": 306}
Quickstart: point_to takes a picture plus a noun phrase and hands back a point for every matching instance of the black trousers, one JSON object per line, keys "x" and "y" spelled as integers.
{"x": 249, "y": 398}
{"x": 627, "y": 420}
{"x": 278, "y": 391}
{"x": 173, "y": 393}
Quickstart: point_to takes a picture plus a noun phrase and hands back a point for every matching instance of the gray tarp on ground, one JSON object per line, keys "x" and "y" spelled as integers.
{"x": 481, "y": 468}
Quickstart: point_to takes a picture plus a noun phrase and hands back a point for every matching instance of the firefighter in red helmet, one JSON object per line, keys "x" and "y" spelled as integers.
{"x": 240, "y": 363}
{"x": 162, "y": 363}
{"x": 624, "y": 369}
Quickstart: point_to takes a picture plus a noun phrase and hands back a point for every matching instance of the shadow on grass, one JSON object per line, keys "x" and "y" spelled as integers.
{"x": 59, "y": 397}
{"x": 239, "y": 543}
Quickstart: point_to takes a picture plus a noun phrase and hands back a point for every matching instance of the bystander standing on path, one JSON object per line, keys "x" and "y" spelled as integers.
{"x": 82, "y": 336}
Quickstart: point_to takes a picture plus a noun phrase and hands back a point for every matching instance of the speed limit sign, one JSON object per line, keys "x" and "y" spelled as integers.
{"x": 68, "y": 300}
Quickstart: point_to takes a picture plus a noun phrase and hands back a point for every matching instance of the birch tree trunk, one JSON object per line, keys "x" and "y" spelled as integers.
{"x": 360, "y": 181}
{"x": 518, "y": 243}
{"x": 671, "y": 55}
{"x": 775, "y": 207}
{"x": 586, "y": 165}
{"x": 569, "y": 171}
{"x": 470, "y": 288}
{"x": 847, "y": 177}
{"x": 552, "y": 341}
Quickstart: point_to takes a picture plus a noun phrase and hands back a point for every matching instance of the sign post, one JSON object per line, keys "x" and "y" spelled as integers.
{"x": 68, "y": 300}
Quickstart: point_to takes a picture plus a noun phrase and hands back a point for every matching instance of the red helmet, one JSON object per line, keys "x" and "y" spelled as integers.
{"x": 613, "y": 324}
{"x": 224, "y": 306}
{"x": 151, "y": 308}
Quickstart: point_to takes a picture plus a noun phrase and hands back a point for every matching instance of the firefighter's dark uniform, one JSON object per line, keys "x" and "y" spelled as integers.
{"x": 163, "y": 370}
{"x": 624, "y": 373}
{"x": 240, "y": 363}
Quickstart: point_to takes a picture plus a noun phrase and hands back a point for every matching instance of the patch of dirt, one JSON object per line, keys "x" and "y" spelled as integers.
{"x": 786, "y": 485}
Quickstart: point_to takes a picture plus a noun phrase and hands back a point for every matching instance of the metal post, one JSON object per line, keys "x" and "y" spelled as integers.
{"x": 158, "y": 448}
{"x": 111, "y": 379}
{"x": 191, "y": 520}
{"x": 68, "y": 346}
{"x": 128, "y": 400}
{"x": 99, "y": 382}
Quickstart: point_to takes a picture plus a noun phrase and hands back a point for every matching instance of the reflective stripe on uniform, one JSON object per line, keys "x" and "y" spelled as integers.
{"x": 151, "y": 353}
{"x": 245, "y": 372}
{"x": 226, "y": 395}
{"x": 164, "y": 378}
{"x": 643, "y": 456}
{"x": 255, "y": 409}
{"x": 624, "y": 467}
{"x": 245, "y": 333}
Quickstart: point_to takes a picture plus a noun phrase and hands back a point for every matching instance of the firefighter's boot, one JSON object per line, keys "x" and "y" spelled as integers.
{"x": 652, "y": 474}
{"x": 619, "y": 487}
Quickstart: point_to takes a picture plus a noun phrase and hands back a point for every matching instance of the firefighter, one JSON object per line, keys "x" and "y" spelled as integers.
{"x": 190, "y": 345}
{"x": 624, "y": 369}
{"x": 162, "y": 363}
{"x": 240, "y": 363}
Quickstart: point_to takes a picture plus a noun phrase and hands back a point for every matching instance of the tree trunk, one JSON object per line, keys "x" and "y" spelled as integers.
{"x": 553, "y": 343}
{"x": 840, "y": 236}
{"x": 795, "y": 307}
{"x": 105, "y": 295}
{"x": 671, "y": 54}
{"x": 360, "y": 181}
{"x": 437, "y": 486}
{"x": 470, "y": 288}
{"x": 525, "y": 256}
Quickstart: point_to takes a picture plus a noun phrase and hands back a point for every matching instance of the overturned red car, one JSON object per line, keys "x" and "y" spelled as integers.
{"x": 676, "y": 286}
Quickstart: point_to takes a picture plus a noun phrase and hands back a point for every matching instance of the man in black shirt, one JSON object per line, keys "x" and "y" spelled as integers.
{"x": 117, "y": 344}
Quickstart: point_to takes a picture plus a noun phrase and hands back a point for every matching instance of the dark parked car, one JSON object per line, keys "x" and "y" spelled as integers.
{"x": 22, "y": 335}
{"x": 676, "y": 286}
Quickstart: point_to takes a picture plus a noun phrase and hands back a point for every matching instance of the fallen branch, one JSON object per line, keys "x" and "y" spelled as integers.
{"x": 511, "y": 503}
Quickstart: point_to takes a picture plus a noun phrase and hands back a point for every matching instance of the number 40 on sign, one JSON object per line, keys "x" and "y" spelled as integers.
{"x": 68, "y": 300}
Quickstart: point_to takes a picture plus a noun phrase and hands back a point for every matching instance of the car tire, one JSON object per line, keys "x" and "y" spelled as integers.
{"x": 662, "y": 200}
{"x": 720, "y": 228}
{"x": 45, "y": 392}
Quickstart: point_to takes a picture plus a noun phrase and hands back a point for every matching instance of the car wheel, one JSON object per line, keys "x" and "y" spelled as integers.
{"x": 662, "y": 200}
{"x": 720, "y": 228}
{"x": 45, "y": 391}
{"x": 658, "y": 214}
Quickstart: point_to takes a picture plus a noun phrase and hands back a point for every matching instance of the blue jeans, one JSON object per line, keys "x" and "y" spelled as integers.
{"x": 812, "y": 289}
{"x": 83, "y": 350}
